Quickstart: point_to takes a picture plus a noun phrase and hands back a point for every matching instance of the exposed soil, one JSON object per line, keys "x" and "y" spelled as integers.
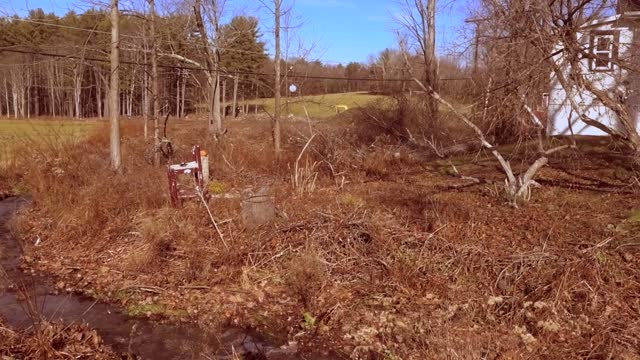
{"x": 386, "y": 257}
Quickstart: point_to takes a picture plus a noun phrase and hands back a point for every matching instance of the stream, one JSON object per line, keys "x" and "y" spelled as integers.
{"x": 144, "y": 338}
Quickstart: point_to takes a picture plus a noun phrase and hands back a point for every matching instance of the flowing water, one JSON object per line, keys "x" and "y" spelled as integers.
{"x": 144, "y": 338}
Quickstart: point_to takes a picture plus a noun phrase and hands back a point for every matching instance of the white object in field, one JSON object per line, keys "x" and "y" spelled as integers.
{"x": 204, "y": 158}
{"x": 610, "y": 38}
{"x": 184, "y": 166}
{"x": 341, "y": 107}
{"x": 293, "y": 88}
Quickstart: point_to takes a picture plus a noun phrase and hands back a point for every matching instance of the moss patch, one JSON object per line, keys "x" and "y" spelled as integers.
{"x": 137, "y": 310}
{"x": 217, "y": 187}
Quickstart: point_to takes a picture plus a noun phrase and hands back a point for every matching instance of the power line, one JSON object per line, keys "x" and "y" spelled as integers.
{"x": 133, "y": 36}
{"x": 161, "y": 41}
{"x": 179, "y": 67}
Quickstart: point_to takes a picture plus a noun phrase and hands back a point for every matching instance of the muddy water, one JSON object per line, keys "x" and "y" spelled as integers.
{"x": 144, "y": 338}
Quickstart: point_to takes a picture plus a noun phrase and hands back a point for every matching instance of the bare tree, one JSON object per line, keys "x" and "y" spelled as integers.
{"x": 277, "y": 13}
{"x": 418, "y": 19}
{"x": 145, "y": 82}
{"x": 154, "y": 82}
{"x": 116, "y": 156}
{"x": 212, "y": 58}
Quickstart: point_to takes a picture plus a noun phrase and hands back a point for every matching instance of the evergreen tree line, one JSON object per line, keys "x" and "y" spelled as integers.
{"x": 61, "y": 68}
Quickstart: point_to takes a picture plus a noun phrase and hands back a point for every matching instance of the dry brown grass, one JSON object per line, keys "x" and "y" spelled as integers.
{"x": 386, "y": 254}
{"x": 53, "y": 341}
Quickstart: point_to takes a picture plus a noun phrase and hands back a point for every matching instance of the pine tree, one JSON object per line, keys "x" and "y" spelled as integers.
{"x": 242, "y": 49}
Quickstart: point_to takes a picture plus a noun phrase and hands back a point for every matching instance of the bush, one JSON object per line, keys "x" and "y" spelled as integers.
{"x": 401, "y": 118}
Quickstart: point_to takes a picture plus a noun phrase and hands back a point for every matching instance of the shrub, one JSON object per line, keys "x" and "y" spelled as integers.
{"x": 400, "y": 118}
{"x": 305, "y": 277}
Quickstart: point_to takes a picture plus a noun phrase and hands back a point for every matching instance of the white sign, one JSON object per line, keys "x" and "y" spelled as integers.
{"x": 293, "y": 88}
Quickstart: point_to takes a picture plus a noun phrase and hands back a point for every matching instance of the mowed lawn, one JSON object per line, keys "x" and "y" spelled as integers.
{"x": 58, "y": 131}
{"x": 317, "y": 106}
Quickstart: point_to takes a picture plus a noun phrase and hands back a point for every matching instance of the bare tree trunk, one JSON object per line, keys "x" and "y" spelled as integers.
{"x": 105, "y": 102}
{"x": 145, "y": 83}
{"x": 78, "y": 70}
{"x": 224, "y": 98}
{"x": 145, "y": 99}
{"x": 178, "y": 95}
{"x": 36, "y": 88}
{"x": 132, "y": 91}
{"x": 23, "y": 95}
{"x": 116, "y": 156}
{"x": 6, "y": 97}
{"x": 419, "y": 20}
{"x": 98, "y": 92}
{"x": 52, "y": 94}
{"x": 216, "y": 106}
{"x": 184, "y": 94}
{"x": 27, "y": 104}
{"x": 212, "y": 58}
{"x": 2, "y": 104}
{"x": 235, "y": 94}
{"x": 278, "y": 80}
{"x": 257, "y": 96}
{"x": 431, "y": 67}
{"x": 70, "y": 106}
{"x": 154, "y": 83}
{"x": 59, "y": 89}
{"x": 14, "y": 92}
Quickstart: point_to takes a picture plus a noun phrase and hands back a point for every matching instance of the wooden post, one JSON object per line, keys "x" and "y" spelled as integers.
{"x": 204, "y": 158}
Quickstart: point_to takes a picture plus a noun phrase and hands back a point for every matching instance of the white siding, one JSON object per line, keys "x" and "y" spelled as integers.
{"x": 560, "y": 110}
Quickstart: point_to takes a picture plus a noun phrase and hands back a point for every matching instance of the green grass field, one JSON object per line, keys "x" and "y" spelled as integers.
{"x": 324, "y": 106}
{"x": 14, "y": 132}
{"x": 318, "y": 106}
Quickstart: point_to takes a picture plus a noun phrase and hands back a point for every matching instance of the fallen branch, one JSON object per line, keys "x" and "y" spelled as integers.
{"x": 145, "y": 288}
{"x": 213, "y": 221}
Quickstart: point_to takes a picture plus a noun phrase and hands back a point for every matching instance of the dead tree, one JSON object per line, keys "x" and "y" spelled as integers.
{"x": 277, "y": 13}
{"x": 155, "y": 95}
{"x": 212, "y": 58}
{"x": 418, "y": 18}
{"x": 116, "y": 157}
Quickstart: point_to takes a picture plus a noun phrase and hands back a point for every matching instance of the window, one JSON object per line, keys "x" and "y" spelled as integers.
{"x": 603, "y": 50}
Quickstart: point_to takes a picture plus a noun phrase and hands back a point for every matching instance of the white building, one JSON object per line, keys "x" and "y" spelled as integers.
{"x": 609, "y": 43}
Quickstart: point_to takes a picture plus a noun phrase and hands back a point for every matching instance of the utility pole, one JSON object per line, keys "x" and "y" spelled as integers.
{"x": 476, "y": 49}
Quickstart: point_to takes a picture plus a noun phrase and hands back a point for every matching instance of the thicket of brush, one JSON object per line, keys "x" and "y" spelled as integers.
{"x": 381, "y": 258}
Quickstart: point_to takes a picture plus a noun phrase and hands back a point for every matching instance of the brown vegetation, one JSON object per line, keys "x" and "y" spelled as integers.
{"x": 53, "y": 341}
{"x": 391, "y": 254}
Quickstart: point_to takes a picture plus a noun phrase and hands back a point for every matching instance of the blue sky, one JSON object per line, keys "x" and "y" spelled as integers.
{"x": 339, "y": 30}
{"x": 353, "y": 29}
